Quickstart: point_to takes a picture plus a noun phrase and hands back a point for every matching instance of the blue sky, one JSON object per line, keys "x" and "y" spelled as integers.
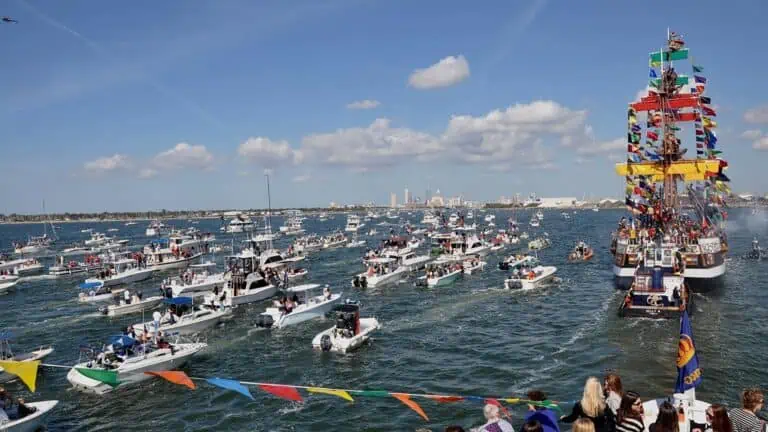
{"x": 109, "y": 106}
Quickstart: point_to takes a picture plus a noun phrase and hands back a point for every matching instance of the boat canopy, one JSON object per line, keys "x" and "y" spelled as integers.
{"x": 178, "y": 301}
{"x": 122, "y": 340}
{"x": 91, "y": 285}
{"x": 303, "y": 288}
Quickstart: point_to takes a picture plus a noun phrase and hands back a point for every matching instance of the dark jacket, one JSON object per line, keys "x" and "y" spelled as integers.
{"x": 604, "y": 422}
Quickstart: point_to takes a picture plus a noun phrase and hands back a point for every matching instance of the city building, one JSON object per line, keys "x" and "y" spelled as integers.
{"x": 406, "y": 197}
{"x": 436, "y": 200}
{"x": 393, "y": 200}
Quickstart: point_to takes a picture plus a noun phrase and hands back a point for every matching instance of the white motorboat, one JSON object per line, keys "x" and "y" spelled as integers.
{"x": 86, "y": 230}
{"x": 241, "y": 223}
{"x": 97, "y": 292}
{"x": 97, "y": 239}
{"x": 113, "y": 230}
{"x": 28, "y": 267}
{"x": 490, "y": 218}
{"x": 191, "y": 283}
{"x": 133, "y": 304}
{"x": 130, "y": 223}
{"x": 73, "y": 267}
{"x": 166, "y": 259}
{"x": 381, "y": 271}
{"x": 349, "y": 333}
{"x": 7, "y": 354}
{"x": 473, "y": 265}
{"x": 292, "y": 226}
{"x": 497, "y": 247}
{"x": 356, "y": 244}
{"x": 155, "y": 229}
{"x": 309, "y": 243}
{"x": 295, "y": 273}
{"x": 129, "y": 360}
{"x": 516, "y": 262}
{"x": 8, "y": 281}
{"x": 372, "y": 232}
{"x": 122, "y": 271}
{"x": 539, "y": 215}
{"x": 534, "y": 222}
{"x": 242, "y": 289}
{"x": 438, "y": 276}
{"x": 34, "y": 421}
{"x": 353, "y": 223}
{"x": 183, "y": 317}
{"x": 534, "y": 278}
{"x": 411, "y": 261}
{"x": 309, "y": 308}
{"x": 334, "y": 240}
{"x": 539, "y": 243}
{"x": 34, "y": 245}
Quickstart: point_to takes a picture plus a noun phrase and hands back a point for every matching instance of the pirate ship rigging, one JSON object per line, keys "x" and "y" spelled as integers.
{"x": 663, "y": 185}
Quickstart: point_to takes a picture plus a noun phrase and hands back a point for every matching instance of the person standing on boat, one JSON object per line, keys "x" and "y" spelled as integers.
{"x": 630, "y": 414}
{"x": 543, "y": 415}
{"x": 614, "y": 392}
{"x": 745, "y": 419}
{"x": 592, "y": 406}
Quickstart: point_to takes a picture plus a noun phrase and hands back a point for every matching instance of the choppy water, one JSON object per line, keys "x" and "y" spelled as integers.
{"x": 469, "y": 338}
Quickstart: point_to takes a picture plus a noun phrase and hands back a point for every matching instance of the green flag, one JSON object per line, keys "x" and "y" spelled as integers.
{"x": 371, "y": 393}
{"x": 101, "y": 375}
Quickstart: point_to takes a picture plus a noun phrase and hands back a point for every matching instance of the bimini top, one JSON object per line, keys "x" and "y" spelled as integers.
{"x": 122, "y": 340}
{"x": 91, "y": 285}
{"x": 178, "y": 301}
{"x": 303, "y": 288}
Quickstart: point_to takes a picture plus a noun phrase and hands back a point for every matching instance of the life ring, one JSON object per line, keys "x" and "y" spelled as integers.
{"x": 653, "y": 300}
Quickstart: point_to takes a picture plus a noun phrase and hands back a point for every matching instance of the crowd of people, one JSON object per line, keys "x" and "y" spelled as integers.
{"x": 645, "y": 229}
{"x": 607, "y": 407}
{"x": 11, "y": 410}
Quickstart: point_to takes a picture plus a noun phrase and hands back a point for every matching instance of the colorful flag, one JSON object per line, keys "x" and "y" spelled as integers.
{"x": 652, "y": 135}
{"x": 404, "y": 398}
{"x": 705, "y": 100}
{"x": 175, "y": 377}
{"x": 282, "y": 391}
{"x": 699, "y": 79}
{"x": 340, "y": 393}
{"x": 25, "y": 370}
{"x": 104, "y": 376}
{"x": 708, "y": 111}
{"x": 652, "y": 73}
{"x": 697, "y": 69}
{"x": 688, "y": 372}
{"x": 231, "y": 385}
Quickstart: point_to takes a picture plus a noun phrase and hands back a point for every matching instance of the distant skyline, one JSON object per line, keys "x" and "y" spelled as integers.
{"x": 143, "y": 105}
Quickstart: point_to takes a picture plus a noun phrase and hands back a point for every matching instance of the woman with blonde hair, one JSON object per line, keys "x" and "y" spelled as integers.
{"x": 592, "y": 406}
{"x": 583, "y": 425}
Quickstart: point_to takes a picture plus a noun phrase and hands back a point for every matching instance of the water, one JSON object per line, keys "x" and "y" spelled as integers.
{"x": 470, "y": 338}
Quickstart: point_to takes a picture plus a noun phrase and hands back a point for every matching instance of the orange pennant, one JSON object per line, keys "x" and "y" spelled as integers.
{"x": 404, "y": 398}
{"x": 176, "y": 377}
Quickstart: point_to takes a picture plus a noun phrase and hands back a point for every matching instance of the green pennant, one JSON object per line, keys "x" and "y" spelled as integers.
{"x": 370, "y": 393}
{"x": 104, "y": 376}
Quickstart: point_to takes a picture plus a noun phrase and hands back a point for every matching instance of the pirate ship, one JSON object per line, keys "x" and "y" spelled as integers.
{"x": 675, "y": 200}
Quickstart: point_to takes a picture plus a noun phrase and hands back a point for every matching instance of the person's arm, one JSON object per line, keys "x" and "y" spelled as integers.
{"x": 575, "y": 413}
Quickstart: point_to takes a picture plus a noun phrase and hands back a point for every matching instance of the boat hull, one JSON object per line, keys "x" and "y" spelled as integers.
{"x": 253, "y": 296}
{"x": 699, "y": 279}
{"x": 34, "y": 355}
{"x": 344, "y": 345}
{"x": 34, "y": 421}
{"x": 146, "y": 304}
{"x": 175, "y": 264}
{"x": 126, "y": 278}
{"x": 8, "y": 282}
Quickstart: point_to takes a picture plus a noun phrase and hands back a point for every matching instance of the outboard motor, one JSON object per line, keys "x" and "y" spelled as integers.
{"x": 348, "y": 320}
{"x": 356, "y": 282}
{"x": 363, "y": 282}
{"x": 325, "y": 343}
{"x": 264, "y": 321}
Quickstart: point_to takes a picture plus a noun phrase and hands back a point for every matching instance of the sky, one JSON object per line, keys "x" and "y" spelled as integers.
{"x": 145, "y": 105}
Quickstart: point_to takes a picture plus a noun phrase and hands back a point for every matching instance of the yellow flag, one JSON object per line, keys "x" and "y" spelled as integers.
{"x": 511, "y": 400}
{"x": 340, "y": 393}
{"x": 26, "y": 371}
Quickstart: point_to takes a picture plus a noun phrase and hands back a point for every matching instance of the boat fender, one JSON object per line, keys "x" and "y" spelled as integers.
{"x": 325, "y": 343}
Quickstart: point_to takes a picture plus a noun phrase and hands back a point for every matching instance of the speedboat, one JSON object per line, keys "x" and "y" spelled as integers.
{"x": 412, "y": 262}
{"x": 534, "y": 222}
{"x": 356, "y": 244}
{"x": 241, "y": 289}
{"x": 353, "y": 223}
{"x": 389, "y": 272}
{"x": 190, "y": 283}
{"x": 309, "y": 308}
{"x": 7, "y": 354}
{"x": 438, "y": 276}
{"x": 97, "y": 292}
{"x": 33, "y": 421}
{"x": 334, "y": 241}
{"x": 473, "y": 265}
{"x": 97, "y": 239}
{"x": 8, "y": 281}
{"x": 516, "y": 262}
{"x": 349, "y": 333}
{"x": 122, "y": 271}
{"x": 582, "y": 252}
{"x": 539, "y": 243}
{"x": 532, "y": 279}
{"x": 133, "y": 305}
{"x": 35, "y": 245}
{"x": 129, "y": 359}
{"x": 183, "y": 317}
{"x": 28, "y": 267}
{"x": 296, "y": 273}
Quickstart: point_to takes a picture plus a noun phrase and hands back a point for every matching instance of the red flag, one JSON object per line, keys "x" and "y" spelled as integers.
{"x": 446, "y": 399}
{"x": 282, "y": 391}
{"x": 708, "y": 111}
{"x": 652, "y": 135}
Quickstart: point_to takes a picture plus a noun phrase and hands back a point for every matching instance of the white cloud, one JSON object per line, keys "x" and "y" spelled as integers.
{"x": 363, "y": 104}
{"x": 752, "y": 134}
{"x": 447, "y": 72}
{"x": 302, "y": 178}
{"x": 108, "y": 164}
{"x": 184, "y": 155}
{"x": 757, "y": 115}
{"x": 268, "y": 153}
{"x": 761, "y": 144}
{"x": 377, "y": 145}
{"x": 603, "y": 147}
{"x": 147, "y": 173}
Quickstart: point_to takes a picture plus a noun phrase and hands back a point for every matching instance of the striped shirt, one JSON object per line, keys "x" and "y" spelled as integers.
{"x": 630, "y": 425}
{"x": 744, "y": 421}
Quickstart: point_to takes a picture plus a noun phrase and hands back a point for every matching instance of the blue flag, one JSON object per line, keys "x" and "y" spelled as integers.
{"x": 231, "y": 385}
{"x": 688, "y": 372}
{"x": 652, "y": 73}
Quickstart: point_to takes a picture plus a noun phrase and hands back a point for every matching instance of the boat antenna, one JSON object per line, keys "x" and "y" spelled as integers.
{"x": 269, "y": 212}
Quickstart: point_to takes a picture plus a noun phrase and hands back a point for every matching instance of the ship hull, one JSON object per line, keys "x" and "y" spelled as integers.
{"x": 699, "y": 279}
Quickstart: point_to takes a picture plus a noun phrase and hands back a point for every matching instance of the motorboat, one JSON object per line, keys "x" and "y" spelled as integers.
{"x": 565, "y": 215}
{"x": 132, "y": 304}
{"x": 539, "y": 215}
{"x": 292, "y": 227}
{"x": 156, "y": 229}
{"x": 28, "y": 267}
{"x": 310, "y": 307}
{"x": 532, "y": 278}
{"x": 96, "y": 291}
{"x": 295, "y": 273}
{"x": 71, "y": 268}
{"x": 310, "y": 243}
{"x": 86, "y": 230}
{"x": 353, "y": 223}
{"x": 411, "y": 261}
{"x": 349, "y": 333}
{"x": 129, "y": 359}
{"x": 8, "y": 281}
{"x": 356, "y": 244}
{"x": 183, "y": 317}
{"x": 191, "y": 283}
{"x": 659, "y": 288}
{"x": 381, "y": 271}
{"x": 497, "y": 247}
{"x": 539, "y": 243}
{"x": 534, "y": 222}
{"x": 441, "y": 275}
{"x": 582, "y": 252}
{"x": 757, "y": 252}
{"x": 6, "y": 353}
{"x": 122, "y": 271}
{"x": 33, "y": 421}
{"x": 166, "y": 255}
{"x": 516, "y": 262}
{"x": 473, "y": 265}
{"x": 34, "y": 245}
{"x": 113, "y": 230}
{"x": 372, "y": 232}
{"x": 131, "y": 223}
{"x": 97, "y": 239}
{"x": 490, "y": 217}
{"x": 241, "y": 289}
{"x": 334, "y": 241}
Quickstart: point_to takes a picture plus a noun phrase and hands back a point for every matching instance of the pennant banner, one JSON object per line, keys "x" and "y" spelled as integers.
{"x": 231, "y": 385}
{"x": 176, "y": 377}
{"x": 340, "y": 393}
{"x": 25, "y": 370}
{"x": 285, "y": 392}
{"x": 404, "y": 398}
{"x": 105, "y": 376}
